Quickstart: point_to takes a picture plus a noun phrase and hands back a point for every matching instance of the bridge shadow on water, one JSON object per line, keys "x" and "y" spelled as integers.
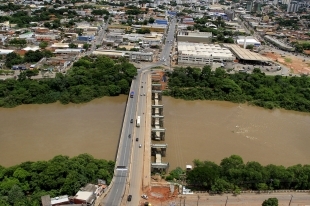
{"x": 120, "y": 132}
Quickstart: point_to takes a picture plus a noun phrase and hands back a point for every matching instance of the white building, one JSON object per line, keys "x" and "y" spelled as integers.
{"x": 199, "y": 53}
{"x": 249, "y": 40}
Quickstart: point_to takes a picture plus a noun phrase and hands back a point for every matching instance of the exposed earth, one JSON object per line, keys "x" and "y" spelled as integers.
{"x": 296, "y": 64}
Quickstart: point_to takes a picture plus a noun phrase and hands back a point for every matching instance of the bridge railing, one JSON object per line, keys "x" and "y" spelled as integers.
{"x": 106, "y": 192}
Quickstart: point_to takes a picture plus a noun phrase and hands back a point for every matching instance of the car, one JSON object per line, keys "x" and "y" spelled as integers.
{"x": 137, "y": 139}
{"x": 144, "y": 197}
{"x": 129, "y": 198}
{"x": 140, "y": 145}
{"x": 129, "y": 135}
{"x": 131, "y": 121}
{"x": 142, "y": 86}
{"x": 144, "y": 94}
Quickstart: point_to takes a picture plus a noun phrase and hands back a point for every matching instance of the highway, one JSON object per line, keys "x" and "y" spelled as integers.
{"x": 130, "y": 155}
{"x": 135, "y": 180}
{"x": 115, "y": 195}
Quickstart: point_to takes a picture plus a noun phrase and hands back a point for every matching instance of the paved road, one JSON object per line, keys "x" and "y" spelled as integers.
{"x": 138, "y": 153}
{"x": 136, "y": 107}
{"x": 99, "y": 38}
{"x": 137, "y": 160}
{"x": 116, "y": 193}
{"x": 246, "y": 200}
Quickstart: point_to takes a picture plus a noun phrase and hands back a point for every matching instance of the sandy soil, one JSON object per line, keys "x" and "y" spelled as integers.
{"x": 296, "y": 64}
{"x": 161, "y": 195}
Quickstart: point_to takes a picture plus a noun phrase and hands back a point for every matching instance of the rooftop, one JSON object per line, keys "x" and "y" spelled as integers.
{"x": 245, "y": 54}
{"x": 200, "y": 49}
{"x": 195, "y": 34}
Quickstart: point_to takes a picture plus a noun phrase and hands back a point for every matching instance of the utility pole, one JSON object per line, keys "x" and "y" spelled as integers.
{"x": 198, "y": 200}
{"x": 290, "y": 200}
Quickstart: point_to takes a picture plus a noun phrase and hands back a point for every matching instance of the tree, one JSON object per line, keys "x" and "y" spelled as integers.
{"x": 250, "y": 47}
{"x": 43, "y": 44}
{"x": 15, "y": 195}
{"x": 86, "y": 46}
{"x": 271, "y": 202}
{"x": 72, "y": 45}
{"x": 31, "y": 73}
{"x": 151, "y": 20}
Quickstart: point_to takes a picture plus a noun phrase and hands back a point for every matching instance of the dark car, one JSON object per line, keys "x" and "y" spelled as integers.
{"x": 129, "y": 198}
{"x": 131, "y": 121}
{"x": 129, "y": 135}
{"x": 137, "y": 139}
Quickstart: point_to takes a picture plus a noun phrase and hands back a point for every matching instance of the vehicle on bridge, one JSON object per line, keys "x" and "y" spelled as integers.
{"x": 132, "y": 94}
{"x": 138, "y": 121}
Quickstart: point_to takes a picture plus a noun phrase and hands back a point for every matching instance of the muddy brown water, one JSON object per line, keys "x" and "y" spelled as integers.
{"x": 205, "y": 130}
{"x": 39, "y": 132}
{"x": 213, "y": 130}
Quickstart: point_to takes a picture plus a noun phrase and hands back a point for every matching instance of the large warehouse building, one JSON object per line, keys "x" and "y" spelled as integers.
{"x": 199, "y": 53}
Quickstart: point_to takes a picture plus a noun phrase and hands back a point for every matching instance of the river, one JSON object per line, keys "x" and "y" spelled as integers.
{"x": 205, "y": 130}
{"x": 39, "y": 132}
{"x": 213, "y": 130}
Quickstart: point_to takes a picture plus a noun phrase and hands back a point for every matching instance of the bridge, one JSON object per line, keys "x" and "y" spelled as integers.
{"x": 133, "y": 162}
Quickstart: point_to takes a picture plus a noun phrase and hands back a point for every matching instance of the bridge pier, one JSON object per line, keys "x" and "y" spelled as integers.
{"x": 159, "y": 149}
{"x": 158, "y": 131}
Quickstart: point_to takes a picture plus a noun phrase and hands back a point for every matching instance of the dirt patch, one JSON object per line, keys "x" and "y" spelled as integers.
{"x": 161, "y": 195}
{"x": 296, "y": 64}
{"x": 158, "y": 77}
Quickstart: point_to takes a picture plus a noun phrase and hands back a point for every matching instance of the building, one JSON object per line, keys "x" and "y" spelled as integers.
{"x": 48, "y": 201}
{"x": 131, "y": 55}
{"x": 247, "y": 40}
{"x": 160, "y": 28}
{"x": 194, "y": 36}
{"x": 279, "y": 44}
{"x": 293, "y": 7}
{"x": 201, "y": 54}
{"x": 161, "y": 21}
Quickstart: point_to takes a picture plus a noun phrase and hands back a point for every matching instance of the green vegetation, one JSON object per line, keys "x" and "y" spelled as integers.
{"x": 22, "y": 19}
{"x": 233, "y": 175}
{"x": 143, "y": 31}
{"x": 271, "y": 202}
{"x": 291, "y": 93}
{"x": 24, "y": 184}
{"x": 301, "y": 46}
{"x": 29, "y": 57}
{"x": 287, "y": 60}
{"x": 86, "y": 80}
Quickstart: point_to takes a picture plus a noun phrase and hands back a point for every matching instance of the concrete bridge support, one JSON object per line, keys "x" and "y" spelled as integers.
{"x": 159, "y": 149}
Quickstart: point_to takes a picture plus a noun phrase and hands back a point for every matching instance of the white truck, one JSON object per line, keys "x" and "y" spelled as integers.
{"x": 138, "y": 121}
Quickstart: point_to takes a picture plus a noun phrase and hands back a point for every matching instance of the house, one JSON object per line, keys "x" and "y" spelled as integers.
{"x": 48, "y": 201}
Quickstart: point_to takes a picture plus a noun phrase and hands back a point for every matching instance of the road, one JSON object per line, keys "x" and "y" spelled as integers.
{"x": 119, "y": 181}
{"x": 135, "y": 180}
{"x": 99, "y": 38}
{"x": 246, "y": 199}
{"x": 129, "y": 153}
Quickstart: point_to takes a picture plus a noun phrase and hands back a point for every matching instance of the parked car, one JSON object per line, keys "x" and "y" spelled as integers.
{"x": 137, "y": 139}
{"x": 129, "y": 198}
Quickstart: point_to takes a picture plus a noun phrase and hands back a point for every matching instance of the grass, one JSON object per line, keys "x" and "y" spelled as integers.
{"x": 287, "y": 60}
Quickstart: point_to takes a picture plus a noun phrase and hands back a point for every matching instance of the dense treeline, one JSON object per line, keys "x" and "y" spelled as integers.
{"x": 89, "y": 78}
{"x": 24, "y": 184}
{"x": 234, "y": 175}
{"x": 292, "y": 93}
